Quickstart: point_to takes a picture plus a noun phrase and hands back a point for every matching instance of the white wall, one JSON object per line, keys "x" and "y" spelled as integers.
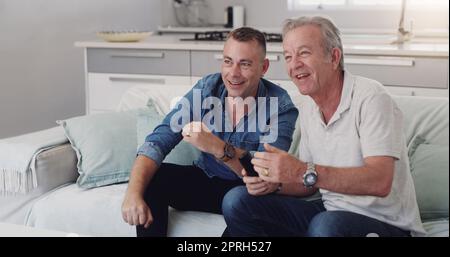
{"x": 41, "y": 72}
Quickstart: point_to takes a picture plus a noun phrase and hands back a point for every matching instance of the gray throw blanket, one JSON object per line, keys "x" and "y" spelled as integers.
{"x": 18, "y": 158}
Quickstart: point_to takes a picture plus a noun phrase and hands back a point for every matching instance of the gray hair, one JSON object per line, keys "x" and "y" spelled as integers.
{"x": 330, "y": 33}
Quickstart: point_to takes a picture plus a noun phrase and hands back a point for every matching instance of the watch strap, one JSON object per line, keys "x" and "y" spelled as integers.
{"x": 228, "y": 152}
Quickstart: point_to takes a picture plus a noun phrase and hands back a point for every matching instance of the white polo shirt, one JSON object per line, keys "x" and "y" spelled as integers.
{"x": 366, "y": 123}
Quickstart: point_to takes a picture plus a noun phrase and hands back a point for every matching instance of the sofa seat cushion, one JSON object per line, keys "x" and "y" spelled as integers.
{"x": 84, "y": 211}
{"x": 437, "y": 228}
{"x": 97, "y": 212}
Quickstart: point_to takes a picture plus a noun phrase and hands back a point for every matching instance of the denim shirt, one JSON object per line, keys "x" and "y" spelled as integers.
{"x": 168, "y": 134}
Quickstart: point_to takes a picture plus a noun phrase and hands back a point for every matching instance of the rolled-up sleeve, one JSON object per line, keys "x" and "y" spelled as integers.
{"x": 152, "y": 151}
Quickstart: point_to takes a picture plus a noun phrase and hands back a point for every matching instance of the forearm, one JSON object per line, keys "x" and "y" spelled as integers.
{"x": 356, "y": 181}
{"x": 296, "y": 189}
{"x": 217, "y": 149}
{"x": 141, "y": 174}
{"x": 234, "y": 163}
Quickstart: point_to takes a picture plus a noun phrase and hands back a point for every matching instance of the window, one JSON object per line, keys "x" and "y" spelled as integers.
{"x": 364, "y": 4}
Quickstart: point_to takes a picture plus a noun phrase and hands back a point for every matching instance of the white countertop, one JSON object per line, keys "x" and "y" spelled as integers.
{"x": 352, "y": 45}
{"x": 180, "y": 29}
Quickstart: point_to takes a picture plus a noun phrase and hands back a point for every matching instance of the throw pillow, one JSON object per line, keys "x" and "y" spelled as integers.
{"x": 183, "y": 154}
{"x": 415, "y": 142}
{"x": 430, "y": 172}
{"x": 105, "y": 145}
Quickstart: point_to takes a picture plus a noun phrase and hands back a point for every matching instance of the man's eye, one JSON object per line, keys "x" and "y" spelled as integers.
{"x": 245, "y": 64}
{"x": 287, "y": 57}
{"x": 226, "y": 61}
{"x": 304, "y": 53}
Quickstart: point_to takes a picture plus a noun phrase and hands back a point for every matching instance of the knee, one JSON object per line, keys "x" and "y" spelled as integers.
{"x": 158, "y": 186}
{"x": 327, "y": 224}
{"x": 235, "y": 201}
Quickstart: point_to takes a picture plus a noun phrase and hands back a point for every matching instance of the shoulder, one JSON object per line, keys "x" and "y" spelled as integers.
{"x": 371, "y": 94}
{"x": 209, "y": 84}
{"x": 367, "y": 88}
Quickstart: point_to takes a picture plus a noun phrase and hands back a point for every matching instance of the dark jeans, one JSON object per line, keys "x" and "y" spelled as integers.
{"x": 185, "y": 188}
{"x": 274, "y": 215}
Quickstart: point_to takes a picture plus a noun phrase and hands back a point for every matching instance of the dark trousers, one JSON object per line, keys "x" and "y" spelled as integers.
{"x": 185, "y": 188}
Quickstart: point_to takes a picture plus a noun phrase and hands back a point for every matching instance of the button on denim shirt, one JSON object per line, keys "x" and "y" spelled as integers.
{"x": 273, "y": 104}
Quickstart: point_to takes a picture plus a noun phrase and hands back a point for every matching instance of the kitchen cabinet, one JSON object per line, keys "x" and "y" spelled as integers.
{"x": 427, "y": 76}
{"x": 110, "y": 72}
{"x": 401, "y": 71}
{"x": 112, "y": 68}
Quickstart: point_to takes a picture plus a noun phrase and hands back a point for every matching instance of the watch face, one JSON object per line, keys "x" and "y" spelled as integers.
{"x": 310, "y": 179}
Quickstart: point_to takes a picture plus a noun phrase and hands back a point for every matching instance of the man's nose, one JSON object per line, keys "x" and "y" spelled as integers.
{"x": 297, "y": 62}
{"x": 235, "y": 69}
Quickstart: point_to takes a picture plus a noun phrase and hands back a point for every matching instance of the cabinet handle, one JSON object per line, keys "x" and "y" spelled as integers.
{"x": 138, "y": 55}
{"x": 138, "y": 80}
{"x": 272, "y": 57}
{"x": 380, "y": 62}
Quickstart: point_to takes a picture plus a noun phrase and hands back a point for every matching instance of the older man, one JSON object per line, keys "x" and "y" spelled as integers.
{"x": 351, "y": 149}
{"x": 154, "y": 186}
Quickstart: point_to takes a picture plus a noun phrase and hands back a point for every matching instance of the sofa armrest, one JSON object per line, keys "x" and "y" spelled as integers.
{"x": 55, "y": 167}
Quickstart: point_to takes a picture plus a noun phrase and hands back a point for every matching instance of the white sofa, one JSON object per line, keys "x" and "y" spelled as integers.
{"x": 59, "y": 204}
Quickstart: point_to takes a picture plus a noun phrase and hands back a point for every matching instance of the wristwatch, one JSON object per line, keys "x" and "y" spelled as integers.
{"x": 228, "y": 152}
{"x": 310, "y": 176}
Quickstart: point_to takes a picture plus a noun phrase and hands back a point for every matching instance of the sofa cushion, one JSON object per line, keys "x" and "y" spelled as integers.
{"x": 436, "y": 228}
{"x": 295, "y": 145}
{"x": 183, "y": 154}
{"x": 430, "y": 170}
{"x": 97, "y": 212}
{"x": 105, "y": 145}
{"x": 161, "y": 95}
{"x": 426, "y": 117}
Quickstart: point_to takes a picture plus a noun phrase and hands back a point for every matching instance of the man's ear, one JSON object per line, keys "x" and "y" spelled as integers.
{"x": 265, "y": 66}
{"x": 336, "y": 56}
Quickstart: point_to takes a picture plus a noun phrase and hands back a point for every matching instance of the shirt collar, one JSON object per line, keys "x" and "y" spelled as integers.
{"x": 347, "y": 92}
{"x": 344, "y": 102}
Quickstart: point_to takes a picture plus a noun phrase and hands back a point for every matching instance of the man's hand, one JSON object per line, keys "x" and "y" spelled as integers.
{"x": 256, "y": 186}
{"x": 278, "y": 166}
{"x": 198, "y": 134}
{"x": 135, "y": 211}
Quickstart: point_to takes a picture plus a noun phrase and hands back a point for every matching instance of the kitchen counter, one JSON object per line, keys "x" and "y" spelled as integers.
{"x": 358, "y": 46}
